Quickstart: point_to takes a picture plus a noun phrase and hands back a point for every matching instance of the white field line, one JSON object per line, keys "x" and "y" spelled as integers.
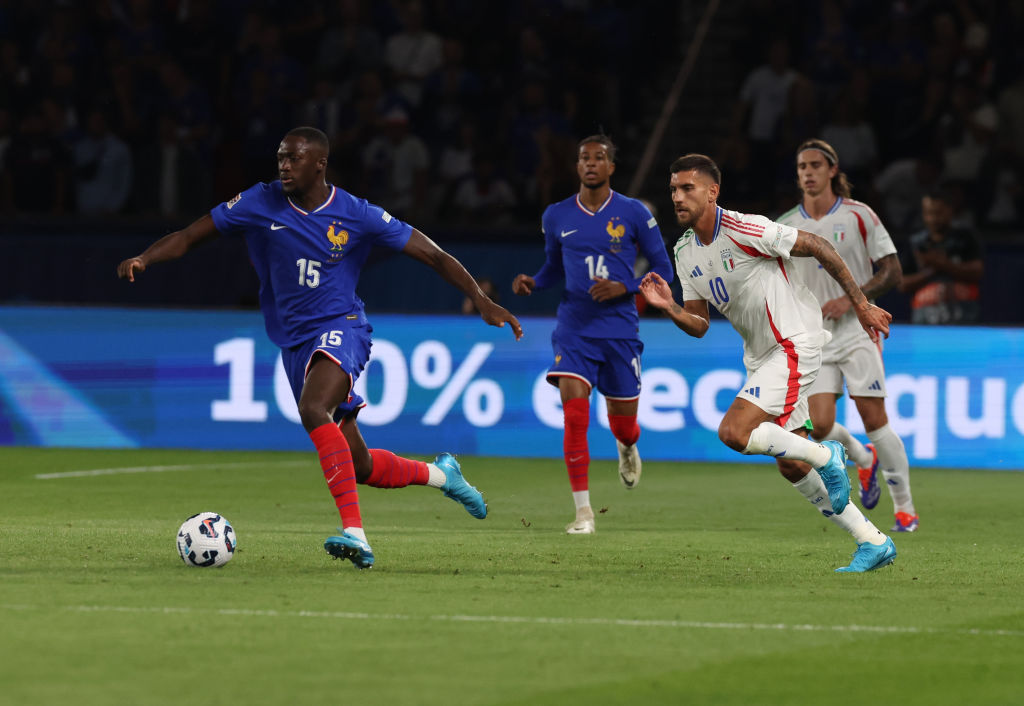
{"x": 604, "y": 622}
{"x": 158, "y": 469}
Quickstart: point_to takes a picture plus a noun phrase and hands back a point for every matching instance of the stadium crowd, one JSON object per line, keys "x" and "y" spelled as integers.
{"x": 460, "y": 111}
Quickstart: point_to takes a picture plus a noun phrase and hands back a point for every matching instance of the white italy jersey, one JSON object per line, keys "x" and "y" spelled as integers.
{"x": 746, "y": 273}
{"x": 860, "y": 239}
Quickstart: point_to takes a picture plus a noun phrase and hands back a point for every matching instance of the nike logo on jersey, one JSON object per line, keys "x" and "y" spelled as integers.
{"x": 569, "y": 232}
{"x": 274, "y": 226}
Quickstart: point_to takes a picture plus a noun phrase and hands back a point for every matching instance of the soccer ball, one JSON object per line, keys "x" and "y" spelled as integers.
{"x": 206, "y": 539}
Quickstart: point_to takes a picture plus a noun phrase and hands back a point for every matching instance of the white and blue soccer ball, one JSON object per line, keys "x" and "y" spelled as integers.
{"x": 206, "y": 539}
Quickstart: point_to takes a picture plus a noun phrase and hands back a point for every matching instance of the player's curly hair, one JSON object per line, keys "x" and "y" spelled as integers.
{"x": 601, "y": 139}
{"x": 840, "y": 184}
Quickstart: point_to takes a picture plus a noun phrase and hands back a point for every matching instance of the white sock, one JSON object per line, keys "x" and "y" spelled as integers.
{"x": 356, "y": 532}
{"x": 437, "y": 478}
{"x": 850, "y": 519}
{"x": 772, "y": 440}
{"x": 895, "y": 467}
{"x": 581, "y": 498}
{"x": 855, "y": 451}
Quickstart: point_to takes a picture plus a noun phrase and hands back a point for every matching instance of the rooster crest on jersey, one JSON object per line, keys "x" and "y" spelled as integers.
{"x": 338, "y": 237}
{"x": 616, "y": 231}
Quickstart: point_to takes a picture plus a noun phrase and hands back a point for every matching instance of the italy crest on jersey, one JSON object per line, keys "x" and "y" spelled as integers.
{"x": 838, "y": 232}
{"x": 727, "y": 261}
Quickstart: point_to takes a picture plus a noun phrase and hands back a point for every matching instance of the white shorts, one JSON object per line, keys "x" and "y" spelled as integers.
{"x": 859, "y": 363}
{"x": 780, "y": 385}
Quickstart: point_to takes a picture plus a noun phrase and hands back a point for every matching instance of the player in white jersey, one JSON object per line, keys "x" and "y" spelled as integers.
{"x": 743, "y": 264}
{"x": 864, "y": 244}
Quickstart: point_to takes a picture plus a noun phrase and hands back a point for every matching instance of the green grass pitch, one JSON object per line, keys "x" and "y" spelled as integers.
{"x": 708, "y": 584}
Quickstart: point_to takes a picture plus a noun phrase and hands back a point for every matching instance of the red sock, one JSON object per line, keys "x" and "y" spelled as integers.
{"x": 574, "y": 443}
{"x": 340, "y": 474}
{"x": 390, "y": 471}
{"x": 624, "y": 428}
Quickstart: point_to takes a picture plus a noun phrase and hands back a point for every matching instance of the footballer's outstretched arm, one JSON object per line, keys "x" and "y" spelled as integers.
{"x": 422, "y": 248}
{"x": 692, "y": 317}
{"x": 874, "y": 319}
{"x": 170, "y": 247}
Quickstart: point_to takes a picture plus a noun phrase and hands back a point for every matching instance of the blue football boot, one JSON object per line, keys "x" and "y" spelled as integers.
{"x": 834, "y": 475}
{"x": 869, "y": 557}
{"x": 456, "y": 487}
{"x": 352, "y": 548}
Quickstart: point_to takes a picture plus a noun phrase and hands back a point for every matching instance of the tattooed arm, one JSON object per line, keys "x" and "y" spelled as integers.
{"x": 873, "y": 319}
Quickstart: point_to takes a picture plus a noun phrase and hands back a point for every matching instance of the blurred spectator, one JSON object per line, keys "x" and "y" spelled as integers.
{"x": 449, "y": 94}
{"x": 901, "y": 185}
{"x": 484, "y": 197}
{"x": 395, "y": 168}
{"x": 764, "y": 98}
{"x": 413, "y": 53}
{"x": 943, "y": 266}
{"x": 323, "y": 110}
{"x": 349, "y": 45}
{"x": 177, "y": 181}
{"x": 852, "y": 136}
{"x": 38, "y": 167}
{"x": 103, "y": 168}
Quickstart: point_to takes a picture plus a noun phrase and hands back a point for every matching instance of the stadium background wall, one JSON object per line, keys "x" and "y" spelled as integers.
{"x": 117, "y": 377}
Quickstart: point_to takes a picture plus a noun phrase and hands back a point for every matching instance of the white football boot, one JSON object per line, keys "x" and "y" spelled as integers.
{"x": 584, "y": 522}
{"x": 629, "y": 465}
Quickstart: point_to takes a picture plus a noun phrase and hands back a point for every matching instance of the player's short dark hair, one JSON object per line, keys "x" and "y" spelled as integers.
{"x": 840, "y": 183}
{"x": 601, "y": 139}
{"x": 700, "y": 162}
{"x": 312, "y": 136}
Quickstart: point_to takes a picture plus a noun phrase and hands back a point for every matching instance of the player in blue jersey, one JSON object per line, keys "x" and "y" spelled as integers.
{"x": 592, "y": 240}
{"x": 308, "y": 241}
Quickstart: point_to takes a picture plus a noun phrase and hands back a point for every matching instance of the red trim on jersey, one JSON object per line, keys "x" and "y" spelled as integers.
{"x": 325, "y": 204}
{"x": 854, "y": 202}
{"x": 861, "y": 227}
{"x": 747, "y": 228}
{"x": 747, "y": 249}
{"x": 793, "y": 381}
{"x": 594, "y": 213}
{"x": 782, "y": 266}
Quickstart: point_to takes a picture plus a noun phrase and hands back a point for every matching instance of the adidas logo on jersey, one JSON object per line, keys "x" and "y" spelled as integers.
{"x": 875, "y": 386}
{"x": 696, "y": 272}
{"x": 753, "y": 391}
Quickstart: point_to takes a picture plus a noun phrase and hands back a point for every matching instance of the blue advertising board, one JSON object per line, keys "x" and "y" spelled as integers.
{"x": 100, "y": 377}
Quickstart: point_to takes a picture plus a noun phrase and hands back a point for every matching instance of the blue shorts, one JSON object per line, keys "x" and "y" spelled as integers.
{"x": 612, "y": 365}
{"x": 346, "y": 343}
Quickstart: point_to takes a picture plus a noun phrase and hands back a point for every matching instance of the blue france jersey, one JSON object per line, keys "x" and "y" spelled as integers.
{"x": 308, "y": 262}
{"x": 582, "y": 245}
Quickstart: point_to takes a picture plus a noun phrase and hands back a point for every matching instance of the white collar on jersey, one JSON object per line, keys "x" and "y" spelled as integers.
{"x": 322, "y": 206}
{"x": 611, "y": 192}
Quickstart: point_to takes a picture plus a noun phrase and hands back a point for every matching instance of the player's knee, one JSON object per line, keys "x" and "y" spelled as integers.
{"x": 733, "y": 436}
{"x": 312, "y": 414}
{"x": 821, "y": 430}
